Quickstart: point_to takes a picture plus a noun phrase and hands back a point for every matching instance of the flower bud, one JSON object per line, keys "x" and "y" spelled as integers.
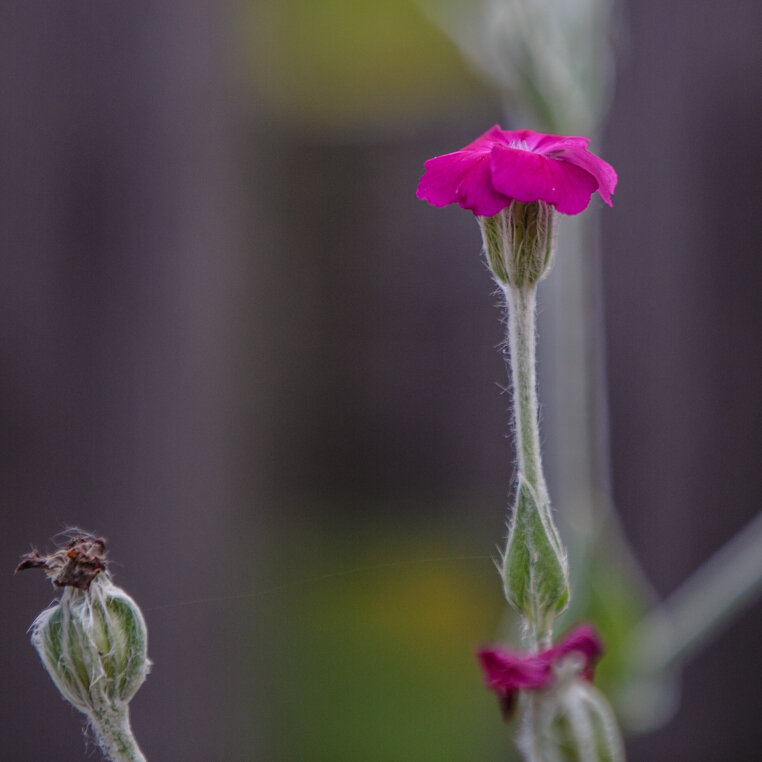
{"x": 535, "y": 569}
{"x": 519, "y": 242}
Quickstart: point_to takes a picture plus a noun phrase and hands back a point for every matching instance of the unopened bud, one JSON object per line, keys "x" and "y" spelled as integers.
{"x": 535, "y": 569}
{"x": 519, "y": 242}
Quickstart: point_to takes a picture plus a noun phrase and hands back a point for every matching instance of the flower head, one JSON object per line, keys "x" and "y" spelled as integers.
{"x": 503, "y": 166}
{"x": 507, "y": 672}
{"x": 93, "y": 640}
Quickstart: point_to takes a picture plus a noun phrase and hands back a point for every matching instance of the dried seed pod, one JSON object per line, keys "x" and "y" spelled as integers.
{"x": 93, "y": 641}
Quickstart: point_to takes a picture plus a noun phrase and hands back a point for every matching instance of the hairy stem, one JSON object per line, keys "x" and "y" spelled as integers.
{"x": 521, "y": 343}
{"x": 114, "y": 734}
{"x": 521, "y": 306}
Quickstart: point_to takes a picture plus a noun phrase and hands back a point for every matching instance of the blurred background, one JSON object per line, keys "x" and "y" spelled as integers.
{"x": 235, "y": 343}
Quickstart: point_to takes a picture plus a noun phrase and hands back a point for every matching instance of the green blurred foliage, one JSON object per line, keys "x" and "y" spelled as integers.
{"x": 324, "y": 63}
{"x": 616, "y": 605}
{"x": 370, "y": 654}
{"x": 363, "y": 643}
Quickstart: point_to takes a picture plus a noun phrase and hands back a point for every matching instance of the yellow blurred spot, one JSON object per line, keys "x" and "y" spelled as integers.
{"x": 350, "y": 61}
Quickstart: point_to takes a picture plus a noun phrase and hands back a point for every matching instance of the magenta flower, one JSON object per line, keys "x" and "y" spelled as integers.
{"x": 507, "y": 672}
{"x": 521, "y": 165}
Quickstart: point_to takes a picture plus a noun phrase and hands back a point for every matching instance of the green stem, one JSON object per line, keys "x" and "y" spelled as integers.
{"x": 114, "y": 734}
{"x": 521, "y": 342}
{"x": 521, "y": 305}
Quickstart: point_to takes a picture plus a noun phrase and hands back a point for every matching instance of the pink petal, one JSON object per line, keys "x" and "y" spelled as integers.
{"x": 572, "y": 149}
{"x": 549, "y": 144}
{"x": 484, "y": 142}
{"x": 583, "y": 640}
{"x": 506, "y": 671}
{"x": 537, "y": 142}
{"x": 443, "y": 175}
{"x": 461, "y": 177}
{"x": 527, "y": 176}
{"x": 601, "y": 170}
{"x": 477, "y": 193}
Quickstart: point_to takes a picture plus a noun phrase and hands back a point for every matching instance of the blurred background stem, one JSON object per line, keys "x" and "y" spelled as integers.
{"x": 677, "y": 628}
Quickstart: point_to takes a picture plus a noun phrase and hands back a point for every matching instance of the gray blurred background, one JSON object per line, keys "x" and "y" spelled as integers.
{"x": 234, "y": 343}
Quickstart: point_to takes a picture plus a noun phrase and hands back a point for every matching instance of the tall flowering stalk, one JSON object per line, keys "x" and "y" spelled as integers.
{"x": 516, "y": 183}
{"x": 552, "y": 62}
{"x": 92, "y": 642}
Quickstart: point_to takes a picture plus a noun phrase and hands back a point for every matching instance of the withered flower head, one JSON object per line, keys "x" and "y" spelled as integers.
{"x": 74, "y": 564}
{"x": 93, "y": 640}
